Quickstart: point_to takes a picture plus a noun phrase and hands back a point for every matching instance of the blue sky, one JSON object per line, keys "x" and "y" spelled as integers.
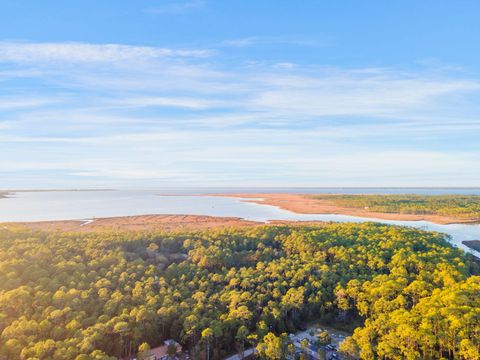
{"x": 239, "y": 93}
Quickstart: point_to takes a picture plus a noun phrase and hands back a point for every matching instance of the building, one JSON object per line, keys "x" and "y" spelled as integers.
{"x": 161, "y": 352}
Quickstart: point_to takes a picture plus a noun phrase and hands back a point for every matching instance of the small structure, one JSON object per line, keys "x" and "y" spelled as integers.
{"x": 161, "y": 352}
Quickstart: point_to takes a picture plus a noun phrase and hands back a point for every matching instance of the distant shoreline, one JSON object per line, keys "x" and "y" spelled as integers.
{"x": 294, "y": 202}
{"x": 302, "y": 204}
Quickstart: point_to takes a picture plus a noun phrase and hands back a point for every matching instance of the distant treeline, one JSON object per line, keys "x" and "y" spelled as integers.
{"x": 460, "y": 206}
{"x": 408, "y": 293}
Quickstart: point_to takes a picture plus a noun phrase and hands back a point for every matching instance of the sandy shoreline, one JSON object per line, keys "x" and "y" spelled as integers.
{"x": 148, "y": 223}
{"x": 303, "y": 204}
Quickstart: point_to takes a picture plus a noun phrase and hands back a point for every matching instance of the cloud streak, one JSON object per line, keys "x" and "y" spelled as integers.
{"x": 25, "y": 52}
{"x": 348, "y": 93}
{"x": 22, "y": 102}
{"x": 274, "y": 40}
{"x": 176, "y": 102}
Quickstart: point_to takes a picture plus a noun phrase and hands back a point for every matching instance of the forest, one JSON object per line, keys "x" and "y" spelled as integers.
{"x": 404, "y": 293}
{"x": 459, "y": 206}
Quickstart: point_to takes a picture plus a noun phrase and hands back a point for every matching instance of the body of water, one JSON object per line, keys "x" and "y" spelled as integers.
{"x": 68, "y": 205}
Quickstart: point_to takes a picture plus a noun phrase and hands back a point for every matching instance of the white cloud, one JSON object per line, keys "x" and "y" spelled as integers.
{"x": 177, "y": 116}
{"x": 21, "y": 101}
{"x": 243, "y": 42}
{"x": 182, "y": 78}
{"x": 130, "y": 173}
{"x": 348, "y": 93}
{"x": 285, "y": 65}
{"x": 274, "y": 157}
{"x": 180, "y": 102}
{"x": 24, "y": 52}
{"x": 279, "y": 40}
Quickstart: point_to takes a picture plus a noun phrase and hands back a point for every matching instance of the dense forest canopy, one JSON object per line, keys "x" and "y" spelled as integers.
{"x": 408, "y": 293}
{"x": 461, "y": 206}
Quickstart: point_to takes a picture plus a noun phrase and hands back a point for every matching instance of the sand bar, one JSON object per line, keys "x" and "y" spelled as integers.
{"x": 137, "y": 223}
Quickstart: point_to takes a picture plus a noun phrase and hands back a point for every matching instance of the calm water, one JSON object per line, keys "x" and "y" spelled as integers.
{"x": 66, "y": 205}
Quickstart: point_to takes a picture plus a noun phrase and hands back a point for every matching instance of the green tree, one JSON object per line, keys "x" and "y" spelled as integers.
{"x": 305, "y": 346}
{"x": 324, "y": 338}
{"x": 349, "y": 348}
{"x": 273, "y": 347}
{"x": 241, "y": 337}
{"x": 207, "y": 335}
{"x": 143, "y": 351}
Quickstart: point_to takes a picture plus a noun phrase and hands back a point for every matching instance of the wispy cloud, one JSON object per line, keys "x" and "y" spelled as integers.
{"x": 25, "y": 52}
{"x": 357, "y": 94}
{"x": 176, "y": 7}
{"x": 160, "y": 77}
{"x": 22, "y": 101}
{"x": 283, "y": 40}
{"x": 243, "y": 42}
{"x": 176, "y": 102}
{"x": 183, "y": 115}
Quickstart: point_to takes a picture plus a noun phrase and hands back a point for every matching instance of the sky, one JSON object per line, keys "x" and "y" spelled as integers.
{"x": 267, "y": 93}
